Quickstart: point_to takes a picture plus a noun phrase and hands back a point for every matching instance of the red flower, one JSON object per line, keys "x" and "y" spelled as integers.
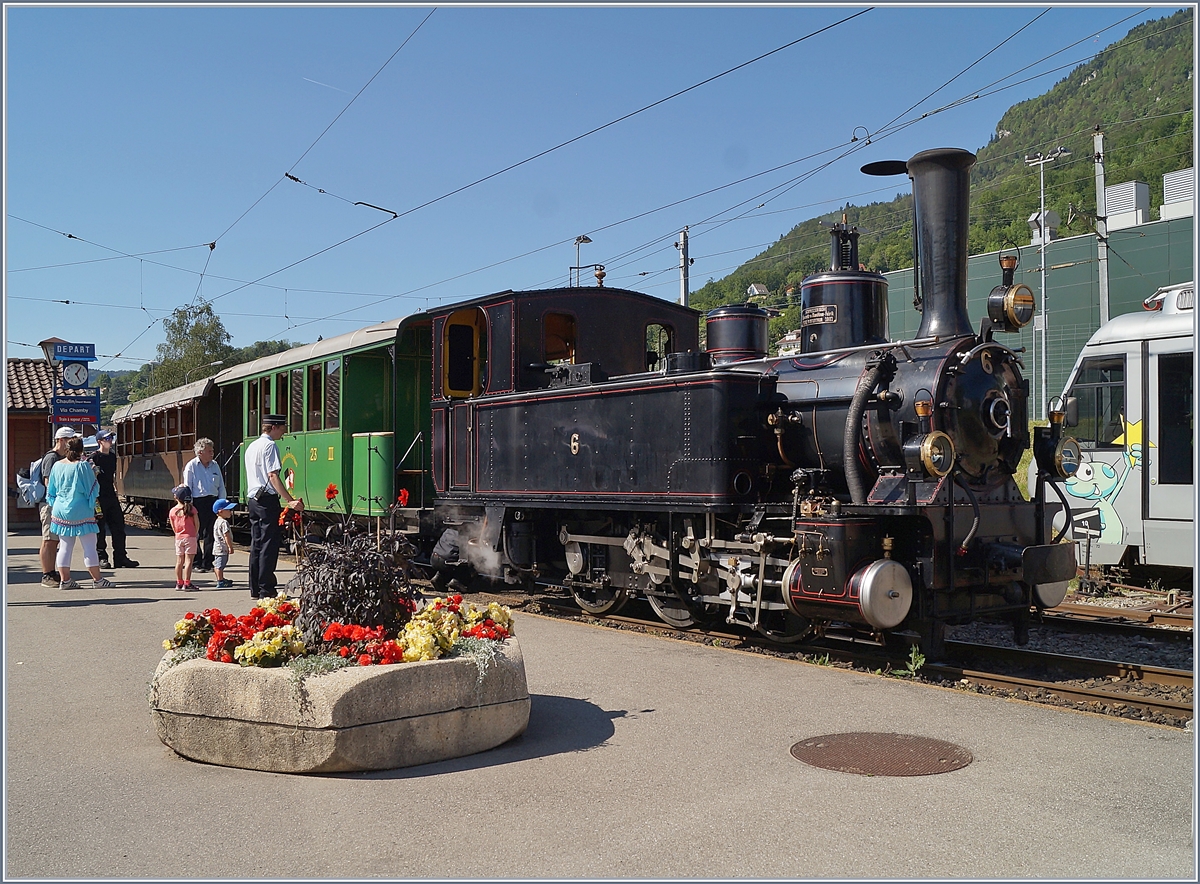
{"x": 331, "y": 492}
{"x": 364, "y": 660}
{"x": 189, "y": 616}
{"x": 402, "y": 497}
{"x": 343, "y": 651}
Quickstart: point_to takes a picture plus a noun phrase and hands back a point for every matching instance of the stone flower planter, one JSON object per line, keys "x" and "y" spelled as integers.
{"x": 358, "y": 718}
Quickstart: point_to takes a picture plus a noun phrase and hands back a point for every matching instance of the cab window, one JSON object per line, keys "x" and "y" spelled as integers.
{"x": 464, "y": 354}
{"x": 1100, "y": 389}
{"x": 558, "y": 338}
{"x": 660, "y": 340}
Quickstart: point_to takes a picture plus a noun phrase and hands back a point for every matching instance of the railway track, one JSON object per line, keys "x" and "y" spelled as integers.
{"x": 1113, "y": 687}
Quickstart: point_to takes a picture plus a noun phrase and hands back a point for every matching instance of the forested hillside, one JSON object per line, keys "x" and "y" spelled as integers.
{"x": 1138, "y": 90}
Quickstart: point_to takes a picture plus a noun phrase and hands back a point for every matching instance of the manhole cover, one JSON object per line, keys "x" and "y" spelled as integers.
{"x": 882, "y": 755}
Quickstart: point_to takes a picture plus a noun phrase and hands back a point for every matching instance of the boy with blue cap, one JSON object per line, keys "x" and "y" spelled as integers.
{"x": 222, "y": 540}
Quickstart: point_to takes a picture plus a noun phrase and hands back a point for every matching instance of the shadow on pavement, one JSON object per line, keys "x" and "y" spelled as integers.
{"x": 556, "y": 725}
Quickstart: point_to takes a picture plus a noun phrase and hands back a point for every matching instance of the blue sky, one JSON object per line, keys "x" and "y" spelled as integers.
{"x": 148, "y": 132}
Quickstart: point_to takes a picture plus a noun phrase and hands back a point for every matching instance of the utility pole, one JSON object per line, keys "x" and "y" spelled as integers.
{"x": 1040, "y": 161}
{"x": 1101, "y": 222}
{"x": 682, "y": 245}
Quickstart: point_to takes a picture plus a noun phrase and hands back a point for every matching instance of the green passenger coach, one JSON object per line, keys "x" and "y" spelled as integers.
{"x": 357, "y": 409}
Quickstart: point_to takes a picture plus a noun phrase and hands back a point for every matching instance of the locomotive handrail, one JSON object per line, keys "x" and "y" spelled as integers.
{"x": 420, "y": 437}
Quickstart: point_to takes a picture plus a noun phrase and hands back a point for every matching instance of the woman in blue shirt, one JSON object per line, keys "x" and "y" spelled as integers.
{"x": 71, "y": 495}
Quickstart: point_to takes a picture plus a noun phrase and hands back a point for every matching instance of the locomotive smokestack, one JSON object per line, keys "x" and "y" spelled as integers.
{"x": 941, "y": 204}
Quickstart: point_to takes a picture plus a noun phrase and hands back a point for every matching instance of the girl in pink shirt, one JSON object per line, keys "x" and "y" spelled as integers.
{"x": 185, "y": 522}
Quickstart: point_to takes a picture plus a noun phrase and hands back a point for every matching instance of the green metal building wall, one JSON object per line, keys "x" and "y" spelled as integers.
{"x": 1140, "y": 260}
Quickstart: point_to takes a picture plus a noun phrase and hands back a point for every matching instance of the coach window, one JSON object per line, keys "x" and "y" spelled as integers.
{"x": 314, "y": 396}
{"x": 264, "y": 388}
{"x": 1175, "y": 412}
{"x": 660, "y": 340}
{"x": 253, "y": 425}
{"x": 464, "y": 354}
{"x": 558, "y": 338}
{"x": 333, "y": 386}
{"x": 296, "y": 411}
{"x": 1100, "y": 388}
{"x": 281, "y": 394}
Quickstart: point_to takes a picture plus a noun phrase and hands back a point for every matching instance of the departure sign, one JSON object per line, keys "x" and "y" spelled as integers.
{"x": 64, "y": 352}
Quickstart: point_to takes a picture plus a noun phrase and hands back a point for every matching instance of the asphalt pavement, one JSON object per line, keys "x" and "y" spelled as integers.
{"x": 644, "y": 758}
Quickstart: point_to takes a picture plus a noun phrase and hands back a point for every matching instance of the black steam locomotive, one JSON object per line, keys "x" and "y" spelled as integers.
{"x": 859, "y": 480}
{"x": 581, "y": 438}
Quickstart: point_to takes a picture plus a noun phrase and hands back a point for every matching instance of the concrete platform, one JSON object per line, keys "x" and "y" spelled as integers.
{"x": 644, "y": 758}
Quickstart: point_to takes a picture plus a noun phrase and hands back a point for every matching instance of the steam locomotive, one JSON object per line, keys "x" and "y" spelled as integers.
{"x": 581, "y": 438}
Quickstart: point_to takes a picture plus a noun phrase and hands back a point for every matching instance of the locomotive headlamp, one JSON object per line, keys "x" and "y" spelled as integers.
{"x": 1057, "y": 455}
{"x": 1010, "y": 307}
{"x": 930, "y": 453}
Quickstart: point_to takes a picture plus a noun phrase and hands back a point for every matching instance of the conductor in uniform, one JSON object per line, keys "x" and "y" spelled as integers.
{"x": 267, "y": 496}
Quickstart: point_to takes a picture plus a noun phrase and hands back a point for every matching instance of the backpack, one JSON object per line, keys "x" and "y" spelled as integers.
{"x": 29, "y": 483}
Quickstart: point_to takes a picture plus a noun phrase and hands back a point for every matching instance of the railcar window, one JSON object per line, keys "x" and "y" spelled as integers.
{"x": 1176, "y": 419}
{"x": 558, "y": 338}
{"x": 1100, "y": 389}
{"x": 333, "y": 385}
{"x": 296, "y": 413}
{"x": 314, "y": 396}
{"x": 660, "y": 340}
{"x": 253, "y": 424}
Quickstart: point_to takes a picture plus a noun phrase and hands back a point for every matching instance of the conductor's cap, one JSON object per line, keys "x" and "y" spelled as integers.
{"x": 275, "y": 420}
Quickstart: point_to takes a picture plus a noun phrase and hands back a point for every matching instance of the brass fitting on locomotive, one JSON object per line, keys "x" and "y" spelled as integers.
{"x": 1057, "y": 456}
{"x": 930, "y": 452}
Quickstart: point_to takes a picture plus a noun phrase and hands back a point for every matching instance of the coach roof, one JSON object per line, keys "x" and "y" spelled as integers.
{"x": 372, "y": 335}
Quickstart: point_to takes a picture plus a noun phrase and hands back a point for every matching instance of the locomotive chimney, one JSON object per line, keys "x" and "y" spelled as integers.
{"x": 941, "y": 204}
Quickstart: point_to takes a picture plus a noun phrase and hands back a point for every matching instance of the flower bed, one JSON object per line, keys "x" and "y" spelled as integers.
{"x": 250, "y": 692}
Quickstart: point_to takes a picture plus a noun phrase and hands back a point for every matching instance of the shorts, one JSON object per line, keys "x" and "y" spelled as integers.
{"x": 219, "y": 562}
{"x": 44, "y": 513}
{"x": 187, "y": 545}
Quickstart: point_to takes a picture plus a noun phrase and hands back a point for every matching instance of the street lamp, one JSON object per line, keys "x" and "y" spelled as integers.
{"x": 1040, "y": 161}
{"x": 188, "y": 374}
{"x": 579, "y": 240}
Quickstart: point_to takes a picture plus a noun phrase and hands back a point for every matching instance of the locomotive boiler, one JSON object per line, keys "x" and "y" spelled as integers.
{"x": 858, "y": 480}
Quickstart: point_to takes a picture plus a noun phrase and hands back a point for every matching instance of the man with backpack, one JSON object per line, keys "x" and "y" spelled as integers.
{"x": 49, "y": 550}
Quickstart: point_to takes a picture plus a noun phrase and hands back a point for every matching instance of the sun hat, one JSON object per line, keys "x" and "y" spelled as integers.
{"x": 223, "y": 504}
{"x": 64, "y": 433}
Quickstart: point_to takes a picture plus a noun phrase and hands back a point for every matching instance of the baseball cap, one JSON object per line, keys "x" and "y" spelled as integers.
{"x": 105, "y": 434}
{"x": 181, "y": 492}
{"x": 223, "y": 504}
{"x": 65, "y": 433}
